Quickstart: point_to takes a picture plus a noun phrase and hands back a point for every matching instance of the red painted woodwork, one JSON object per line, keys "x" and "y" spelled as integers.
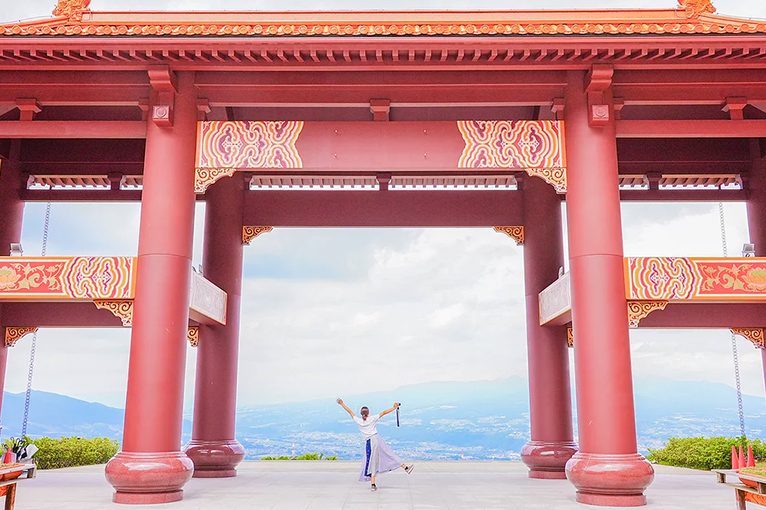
{"x": 58, "y": 315}
{"x": 73, "y": 129}
{"x": 151, "y": 468}
{"x": 11, "y": 216}
{"x": 394, "y": 208}
{"x": 691, "y": 129}
{"x": 213, "y": 447}
{"x": 550, "y": 406}
{"x": 606, "y": 471}
{"x": 756, "y": 217}
{"x": 704, "y": 315}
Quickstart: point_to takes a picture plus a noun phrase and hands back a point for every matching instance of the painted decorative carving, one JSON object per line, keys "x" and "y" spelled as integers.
{"x": 250, "y": 233}
{"x": 204, "y": 177}
{"x": 67, "y": 277}
{"x": 638, "y": 310}
{"x": 120, "y": 308}
{"x": 12, "y": 335}
{"x": 694, "y": 8}
{"x": 71, "y": 9}
{"x": 570, "y": 337}
{"x": 672, "y": 279}
{"x": 515, "y": 233}
{"x": 193, "y": 336}
{"x": 230, "y": 146}
{"x": 207, "y": 299}
{"x": 533, "y": 146}
{"x": 755, "y": 335}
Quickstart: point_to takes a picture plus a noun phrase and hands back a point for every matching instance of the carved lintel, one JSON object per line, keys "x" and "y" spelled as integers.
{"x": 12, "y": 335}
{"x": 755, "y": 335}
{"x": 515, "y": 233}
{"x": 204, "y": 177}
{"x": 192, "y": 335}
{"x": 250, "y": 233}
{"x": 570, "y": 337}
{"x": 638, "y": 310}
{"x": 694, "y": 8}
{"x": 120, "y": 308}
{"x": 556, "y": 177}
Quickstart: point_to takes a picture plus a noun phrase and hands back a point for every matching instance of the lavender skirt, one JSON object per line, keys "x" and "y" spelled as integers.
{"x": 378, "y": 458}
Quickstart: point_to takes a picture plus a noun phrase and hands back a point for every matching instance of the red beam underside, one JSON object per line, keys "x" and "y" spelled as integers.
{"x": 707, "y": 315}
{"x": 58, "y": 315}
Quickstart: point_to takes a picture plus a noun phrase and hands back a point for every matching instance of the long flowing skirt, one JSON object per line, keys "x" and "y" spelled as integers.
{"x": 378, "y": 458}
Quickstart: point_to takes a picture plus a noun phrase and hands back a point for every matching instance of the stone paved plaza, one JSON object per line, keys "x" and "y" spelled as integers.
{"x": 333, "y": 486}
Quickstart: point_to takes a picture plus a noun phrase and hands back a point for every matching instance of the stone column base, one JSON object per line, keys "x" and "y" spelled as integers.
{"x": 610, "y": 480}
{"x": 148, "y": 477}
{"x": 546, "y": 460}
{"x": 215, "y": 459}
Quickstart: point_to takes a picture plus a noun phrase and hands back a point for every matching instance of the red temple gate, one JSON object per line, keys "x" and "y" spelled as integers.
{"x": 590, "y": 107}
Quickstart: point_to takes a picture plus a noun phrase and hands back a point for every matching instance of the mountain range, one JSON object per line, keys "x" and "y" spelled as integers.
{"x": 439, "y": 420}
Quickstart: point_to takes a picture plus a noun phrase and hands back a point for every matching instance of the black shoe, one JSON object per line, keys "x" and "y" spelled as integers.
{"x": 373, "y": 487}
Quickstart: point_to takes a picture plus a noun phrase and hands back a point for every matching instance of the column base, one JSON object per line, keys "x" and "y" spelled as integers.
{"x": 547, "y": 459}
{"x": 610, "y": 480}
{"x": 148, "y": 477}
{"x": 215, "y": 459}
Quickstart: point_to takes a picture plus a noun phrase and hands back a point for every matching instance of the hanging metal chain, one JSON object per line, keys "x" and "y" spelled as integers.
{"x": 31, "y": 372}
{"x": 733, "y": 336}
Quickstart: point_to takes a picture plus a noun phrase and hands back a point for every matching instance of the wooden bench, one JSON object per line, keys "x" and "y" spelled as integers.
{"x": 744, "y": 494}
{"x": 8, "y": 487}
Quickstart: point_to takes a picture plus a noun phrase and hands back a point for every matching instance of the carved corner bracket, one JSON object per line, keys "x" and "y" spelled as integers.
{"x": 192, "y": 335}
{"x": 755, "y": 335}
{"x": 12, "y": 335}
{"x": 597, "y": 81}
{"x": 638, "y": 310}
{"x": 164, "y": 81}
{"x": 250, "y": 233}
{"x": 556, "y": 177}
{"x": 570, "y": 337}
{"x": 120, "y": 308}
{"x": 205, "y": 177}
{"x": 515, "y": 233}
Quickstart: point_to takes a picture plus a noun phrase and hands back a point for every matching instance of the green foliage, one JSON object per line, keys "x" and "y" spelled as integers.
{"x": 305, "y": 456}
{"x": 69, "y": 451}
{"x": 703, "y": 452}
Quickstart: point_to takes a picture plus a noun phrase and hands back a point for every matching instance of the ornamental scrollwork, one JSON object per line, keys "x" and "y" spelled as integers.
{"x": 638, "y": 310}
{"x": 570, "y": 337}
{"x": 516, "y": 233}
{"x": 694, "y": 8}
{"x": 249, "y": 233}
{"x": 205, "y": 177}
{"x": 12, "y": 334}
{"x": 755, "y": 335}
{"x": 192, "y": 334}
{"x": 120, "y": 308}
{"x": 71, "y": 9}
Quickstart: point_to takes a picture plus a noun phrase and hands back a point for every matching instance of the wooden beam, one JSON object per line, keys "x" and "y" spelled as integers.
{"x": 411, "y": 208}
{"x": 691, "y": 129}
{"x": 72, "y": 129}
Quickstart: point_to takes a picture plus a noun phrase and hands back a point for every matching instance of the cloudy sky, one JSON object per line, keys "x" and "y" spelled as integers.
{"x": 436, "y": 304}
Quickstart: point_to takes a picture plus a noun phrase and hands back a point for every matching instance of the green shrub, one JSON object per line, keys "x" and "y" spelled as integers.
{"x": 305, "y": 456}
{"x": 703, "y": 452}
{"x": 70, "y": 451}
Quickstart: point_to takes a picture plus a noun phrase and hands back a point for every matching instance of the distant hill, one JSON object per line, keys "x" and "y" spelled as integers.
{"x": 439, "y": 420}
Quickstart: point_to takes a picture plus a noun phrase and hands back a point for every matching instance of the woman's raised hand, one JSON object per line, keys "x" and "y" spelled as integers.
{"x": 396, "y": 405}
{"x": 340, "y": 401}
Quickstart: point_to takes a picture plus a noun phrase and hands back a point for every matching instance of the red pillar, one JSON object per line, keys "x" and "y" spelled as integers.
{"x": 607, "y": 471}
{"x": 213, "y": 447}
{"x": 756, "y": 211}
{"x": 550, "y": 401}
{"x": 151, "y": 468}
{"x": 11, "y": 217}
